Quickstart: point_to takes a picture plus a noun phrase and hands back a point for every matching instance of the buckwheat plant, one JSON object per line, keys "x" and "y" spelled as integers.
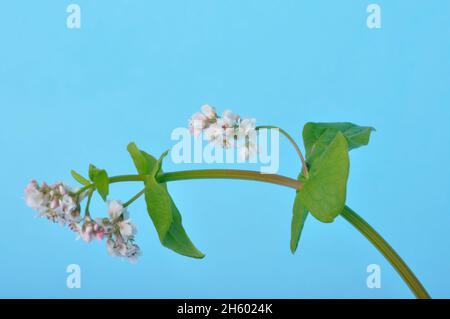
{"x": 320, "y": 188}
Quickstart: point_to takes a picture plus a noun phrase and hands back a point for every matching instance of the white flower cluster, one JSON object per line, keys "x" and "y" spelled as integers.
{"x": 57, "y": 202}
{"x": 117, "y": 229}
{"x": 225, "y": 131}
{"x": 120, "y": 232}
{"x": 61, "y": 204}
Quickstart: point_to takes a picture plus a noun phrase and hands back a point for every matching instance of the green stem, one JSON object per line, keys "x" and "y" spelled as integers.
{"x": 88, "y": 204}
{"x": 209, "y": 174}
{"x": 353, "y": 218}
{"x": 230, "y": 174}
{"x": 134, "y": 198}
{"x": 387, "y": 251}
{"x": 289, "y": 137}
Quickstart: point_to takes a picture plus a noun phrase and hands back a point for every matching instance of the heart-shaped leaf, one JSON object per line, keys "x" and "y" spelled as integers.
{"x": 317, "y": 137}
{"x": 299, "y": 214}
{"x": 160, "y": 206}
{"x": 323, "y": 193}
{"x": 79, "y": 178}
{"x": 100, "y": 179}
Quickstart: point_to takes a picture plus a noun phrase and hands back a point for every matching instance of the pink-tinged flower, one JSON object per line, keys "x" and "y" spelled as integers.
{"x": 87, "y": 232}
{"x": 106, "y": 224}
{"x": 127, "y": 229}
{"x": 209, "y": 112}
{"x": 116, "y": 247}
{"x": 133, "y": 253}
{"x": 99, "y": 231}
{"x": 54, "y": 204}
{"x": 115, "y": 209}
{"x": 229, "y": 118}
{"x": 246, "y": 128}
{"x": 215, "y": 134}
{"x": 110, "y": 247}
{"x": 32, "y": 186}
{"x": 247, "y": 150}
{"x": 57, "y": 203}
{"x": 62, "y": 190}
{"x": 197, "y": 123}
{"x": 34, "y": 197}
{"x": 75, "y": 227}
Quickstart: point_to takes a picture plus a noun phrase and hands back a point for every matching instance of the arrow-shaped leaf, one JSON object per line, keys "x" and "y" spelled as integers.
{"x": 299, "y": 214}
{"x": 317, "y": 137}
{"x": 160, "y": 206}
{"x": 323, "y": 193}
{"x": 100, "y": 179}
{"x": 79, "y": 178}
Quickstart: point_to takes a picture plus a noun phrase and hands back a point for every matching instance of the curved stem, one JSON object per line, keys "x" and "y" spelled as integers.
{"x": 354, "y": 219}
{"x": 230, "y": 174}
{"x": 88, "y": 204}
{"x": 203, "y": 174}
{"x": 126, "y": 178}
{"x": 213, "y": 174}
{"x": 134, "y": 198}
{"x": 387, "y": 251}
{"x": 291, "y": 139}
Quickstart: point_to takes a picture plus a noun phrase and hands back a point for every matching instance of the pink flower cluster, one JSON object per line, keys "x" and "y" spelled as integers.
{"x": 56, "y": 202}
{"x": 120, "y": 232}
{"x": 227, "y": 130}
{"x": 59, "y": 203}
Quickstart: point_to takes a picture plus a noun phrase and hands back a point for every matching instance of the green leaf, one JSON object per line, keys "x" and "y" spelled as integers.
{"x": 139, "y": 159}
{"x": 323, "y": 193}
{"x": 160, "y": 206}
{"x": 317, "y": 137}
{"x": 100, "y": 179}
{"x": 159, "y": 203}
{"x": 299, "y": 214}
{"x": 80, "y": 179}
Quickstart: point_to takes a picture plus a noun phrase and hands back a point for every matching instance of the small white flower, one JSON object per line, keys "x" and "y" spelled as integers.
{"x": 197, "y": 123}
{"x": 68, "y": 204}
{"x": 75, "y": 227}
{"x": 209, "y": 111}
{"x": 36, "y": 200}
{"x": 127, "y": 229}
{"x": 61, "y": 188}
{"x": 87, "y": 232}
{"x": 246, "y": 128}
{"x": 106, "y": 224}
{"x": 34, "y": 197}
{"x": 61, "y": 204}
{"x": 215, "y": 134}
{"x": 115, "y": 209}
{"x": 121, "y": 248}
{"x": 133, "y": 252}
{"x": 229, "y": 118}
{"x": 110, "y": 247}
{"x": 247, "y": 150}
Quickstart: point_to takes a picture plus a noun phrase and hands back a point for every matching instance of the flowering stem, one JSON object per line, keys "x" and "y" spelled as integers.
{"x": 230, "y": 174}
{"x": 86, "y": 210}
{"x": 289, "y": 137}
{"x": 387, "y": 251}
{"x": 134, "y": 198}
{"x": 354, "y": 219}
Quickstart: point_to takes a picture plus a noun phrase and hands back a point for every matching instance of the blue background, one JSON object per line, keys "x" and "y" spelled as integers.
{"x": 138, "y": 69}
